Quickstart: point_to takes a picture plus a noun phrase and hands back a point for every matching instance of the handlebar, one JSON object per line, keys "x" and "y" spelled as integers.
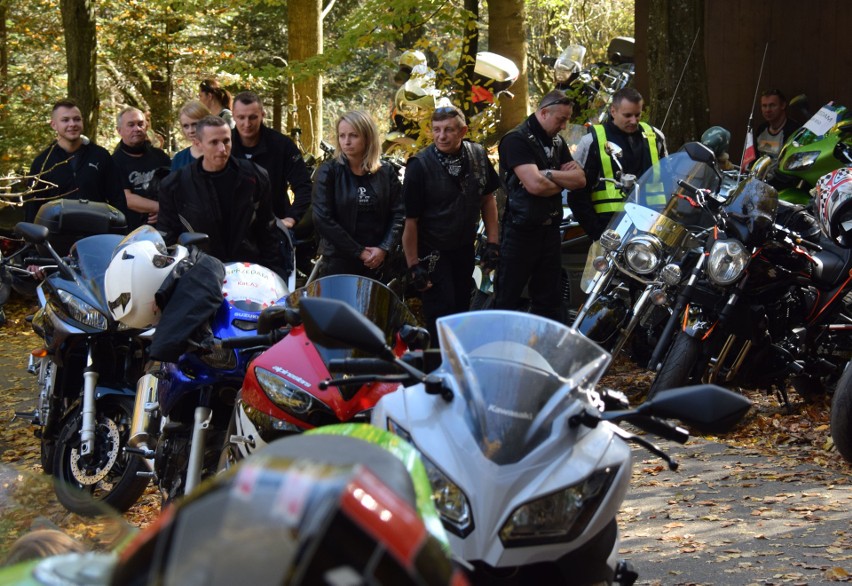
{"x": 375, "y": 366}
{"x": 256, "y": 341}
{"x": 796, "y": 238}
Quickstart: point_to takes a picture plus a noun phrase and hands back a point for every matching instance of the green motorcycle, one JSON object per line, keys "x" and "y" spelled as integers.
{"x": 822, "y": 145}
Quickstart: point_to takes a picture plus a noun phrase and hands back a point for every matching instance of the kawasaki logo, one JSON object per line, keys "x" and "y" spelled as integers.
{"x": 510, "y": 413}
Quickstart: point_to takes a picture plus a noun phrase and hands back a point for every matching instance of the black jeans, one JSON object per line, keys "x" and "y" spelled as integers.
{"x": 452, "y": 281}
{"x": 530, "y": 255}
{"x": 336, "y": 265}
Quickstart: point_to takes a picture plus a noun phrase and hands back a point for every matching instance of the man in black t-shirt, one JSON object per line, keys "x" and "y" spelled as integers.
{"x": 141, "y": 166}
{"x": 447, "y": 186}
{"x": 536, "y": 166}
{"x": 80, "y": 169}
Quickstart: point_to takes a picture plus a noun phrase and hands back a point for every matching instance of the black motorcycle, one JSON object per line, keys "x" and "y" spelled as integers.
{"x": 647, "y": 250}
{"x": 766, "y": 307}
{"x": 87, "y": 369}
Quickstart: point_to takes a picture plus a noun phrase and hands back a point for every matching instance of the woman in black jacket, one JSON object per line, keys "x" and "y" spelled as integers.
{"x": 357, "y": 203}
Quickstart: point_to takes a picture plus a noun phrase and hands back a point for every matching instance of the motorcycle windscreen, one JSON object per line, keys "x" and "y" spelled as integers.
{"x": 93, "y": 255}
{"x": 660, "y": 205}
{"x": 516, "y": 373}
{"x": 372, "y": 299}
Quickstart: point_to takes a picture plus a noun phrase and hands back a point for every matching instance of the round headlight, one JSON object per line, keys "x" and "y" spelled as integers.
{"x": 727, "y": 261}
{"x": 643, "y": 254}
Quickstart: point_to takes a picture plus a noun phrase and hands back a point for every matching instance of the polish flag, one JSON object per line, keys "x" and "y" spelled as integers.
{"x": 749, "y": 154}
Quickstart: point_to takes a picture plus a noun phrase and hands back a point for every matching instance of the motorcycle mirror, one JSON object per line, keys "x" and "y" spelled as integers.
{"x": 700, "y": 152}
{"x": 798, "y": 107}
{"x": 705, "y": 408}
{"x": 32, "y": 233}
{"x": 188, "y": 239}
{"x": 276, "y": 317}
{"x": 334, "y": 324}
{"x": 613, "y": 150}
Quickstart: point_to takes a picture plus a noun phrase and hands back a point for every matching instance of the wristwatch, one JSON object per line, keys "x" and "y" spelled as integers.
{"x": 549, "y": 174}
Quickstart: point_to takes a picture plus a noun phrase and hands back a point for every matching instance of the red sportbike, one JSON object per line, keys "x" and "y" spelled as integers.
{"x": 284, "y": 391}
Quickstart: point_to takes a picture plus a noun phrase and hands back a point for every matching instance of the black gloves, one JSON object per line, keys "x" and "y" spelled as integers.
{"x": 419, "y": 277}
{"x": 490, "y": 256}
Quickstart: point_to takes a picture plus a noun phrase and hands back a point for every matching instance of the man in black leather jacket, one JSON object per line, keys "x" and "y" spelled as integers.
{"x": 447, "y": 186}
{"x": 276, "y": 153}
{"x": 226, "y": 198}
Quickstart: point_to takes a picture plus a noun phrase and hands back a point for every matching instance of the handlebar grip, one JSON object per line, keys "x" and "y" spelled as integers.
{"x": 661, "y": 428}
{"x": 362, "y": 366}
{"x": 686, "y": 185}
{"x": 39, "y": 260}
{"x": 264, "y": 340}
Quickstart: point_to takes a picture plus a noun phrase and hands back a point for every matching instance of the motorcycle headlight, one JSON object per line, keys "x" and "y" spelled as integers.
{"x": 643, "y": 254}
{"x": 557, "y": 517}
{"x": 79, "y": 310}
{"x": 727, "y": 261}
{"x": 671, "y": 274}
{"x": 284, "y": 394}
{"x": 801, "y": 161}
{"x": 610, "y": 240}
{"x": 449, "y": 500}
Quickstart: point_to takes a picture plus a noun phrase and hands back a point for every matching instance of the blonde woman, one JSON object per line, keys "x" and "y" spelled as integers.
{"x": 357, "y": 205}
{"x": 189, "y": 115}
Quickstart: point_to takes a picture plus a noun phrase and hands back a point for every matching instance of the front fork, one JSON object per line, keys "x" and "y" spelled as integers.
{"x": 90, "y": 383}
{"x": 196, "y": 447}
{"x": 601, "y": 282}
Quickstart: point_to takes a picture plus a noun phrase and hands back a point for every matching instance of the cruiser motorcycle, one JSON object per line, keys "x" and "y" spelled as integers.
{"x": 647, "y": 249}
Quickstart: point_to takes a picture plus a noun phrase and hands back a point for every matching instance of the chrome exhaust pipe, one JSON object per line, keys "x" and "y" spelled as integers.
{"x": 146, "y": 421}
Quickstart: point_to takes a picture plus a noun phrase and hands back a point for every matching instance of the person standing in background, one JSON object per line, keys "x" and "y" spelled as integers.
{"x": 217, "y": 99}
{"x": 141, "y": 165}
{"x": 189, "y": 115}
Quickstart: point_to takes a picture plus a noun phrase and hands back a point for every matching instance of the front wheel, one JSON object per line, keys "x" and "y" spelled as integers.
{"x": 678, "y": 365}
{"x": 841, "y": 414}
{"x": 108, "y": 475}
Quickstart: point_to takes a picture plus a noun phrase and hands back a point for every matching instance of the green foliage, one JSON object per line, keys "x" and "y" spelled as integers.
{"x": 153, "y": 53}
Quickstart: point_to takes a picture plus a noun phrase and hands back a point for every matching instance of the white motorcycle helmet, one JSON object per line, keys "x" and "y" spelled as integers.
{"x": 139, "y": 265}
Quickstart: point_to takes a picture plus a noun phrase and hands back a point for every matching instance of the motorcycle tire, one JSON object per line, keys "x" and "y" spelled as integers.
{"x": 841, "y": 415}
{"x": 678, "y": 365}
{"x": 113, "y": 479}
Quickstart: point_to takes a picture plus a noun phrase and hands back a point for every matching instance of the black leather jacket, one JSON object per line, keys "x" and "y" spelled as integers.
{"x": 188, "y": 203}
{"x": 336, "y": 211}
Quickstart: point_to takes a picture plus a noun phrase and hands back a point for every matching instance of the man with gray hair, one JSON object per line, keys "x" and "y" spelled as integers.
{"x": 141, "y": 166}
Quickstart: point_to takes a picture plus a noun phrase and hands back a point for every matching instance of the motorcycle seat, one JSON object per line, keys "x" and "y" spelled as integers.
{"x": 831, "y": 264}
{"x": 340, "y": 450}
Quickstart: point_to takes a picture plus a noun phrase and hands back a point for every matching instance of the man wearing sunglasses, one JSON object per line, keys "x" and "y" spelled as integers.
{"x": 448, "y": 186}
{"x": 536, "y": 167}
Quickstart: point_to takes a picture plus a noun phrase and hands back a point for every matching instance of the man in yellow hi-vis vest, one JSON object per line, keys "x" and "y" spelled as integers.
{"x": 642, "y": 145}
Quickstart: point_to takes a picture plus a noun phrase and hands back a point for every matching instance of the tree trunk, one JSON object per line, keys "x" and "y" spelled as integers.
{"x": 305, "y": 41}
{"x": 682, "y": 113}
{"x": 78, "y": 20}
{"x": 4, "y": 59}
{"x": 507, "y": 37}
{"x": 467, "y": 59}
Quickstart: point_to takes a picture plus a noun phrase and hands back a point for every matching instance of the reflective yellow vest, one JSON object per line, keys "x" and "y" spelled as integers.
{"x": 608, "y": 199}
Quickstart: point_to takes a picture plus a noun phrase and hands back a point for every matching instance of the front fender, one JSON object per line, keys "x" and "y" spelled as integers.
{"x": 604, "y": 318}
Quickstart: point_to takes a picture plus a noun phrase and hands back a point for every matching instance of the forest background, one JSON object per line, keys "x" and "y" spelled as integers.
{"x": 310, "y": 60}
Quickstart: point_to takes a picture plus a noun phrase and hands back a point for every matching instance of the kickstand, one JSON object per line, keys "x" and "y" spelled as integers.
{"x": 783, "y": 397}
